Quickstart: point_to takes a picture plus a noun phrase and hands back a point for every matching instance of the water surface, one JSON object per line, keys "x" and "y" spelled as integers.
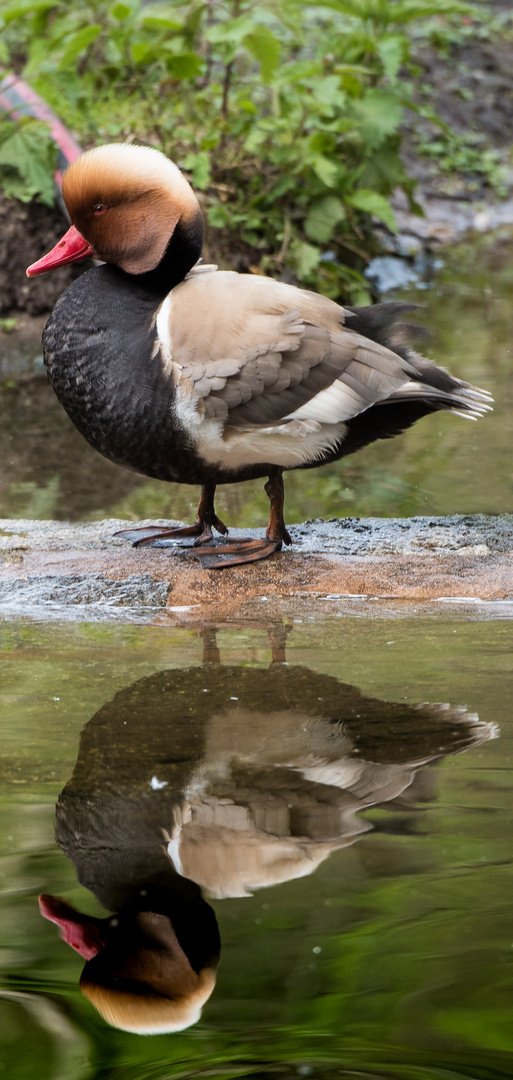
{"x": 352, "y": 839}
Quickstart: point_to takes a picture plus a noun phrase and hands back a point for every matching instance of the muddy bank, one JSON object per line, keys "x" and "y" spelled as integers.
{"x": 27, "y": 230}
{"x": 469, "y": 88}
{"x": 54, "y": 570}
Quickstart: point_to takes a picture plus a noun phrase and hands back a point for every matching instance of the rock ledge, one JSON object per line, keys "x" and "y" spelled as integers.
{"x": 55, "y": 570}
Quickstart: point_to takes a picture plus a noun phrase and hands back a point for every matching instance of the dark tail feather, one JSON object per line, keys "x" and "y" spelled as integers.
{"x": 379, "y": 322}
{"x": 439, "y": 390}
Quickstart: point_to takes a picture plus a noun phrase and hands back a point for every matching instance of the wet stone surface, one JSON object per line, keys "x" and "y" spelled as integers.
{"x": 375, "y": 536}
{"x": 102, "y": 598}
{"x": 56, "y": 570}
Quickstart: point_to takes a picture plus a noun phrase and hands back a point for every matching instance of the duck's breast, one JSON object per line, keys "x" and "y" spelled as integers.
{"x": 104, "y": 362}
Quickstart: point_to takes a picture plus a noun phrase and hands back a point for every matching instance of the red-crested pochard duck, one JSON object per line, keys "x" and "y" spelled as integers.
{"x": 186, "y": 373}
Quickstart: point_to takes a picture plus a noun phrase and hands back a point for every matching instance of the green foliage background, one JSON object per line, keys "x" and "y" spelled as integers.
{"x": 286, "y": 114}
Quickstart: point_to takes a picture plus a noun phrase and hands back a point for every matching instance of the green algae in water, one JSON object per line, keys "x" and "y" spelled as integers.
{"x": 391, "y": 959}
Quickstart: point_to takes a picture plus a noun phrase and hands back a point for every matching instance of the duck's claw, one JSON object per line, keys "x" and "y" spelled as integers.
{"x": 236, "y": 553}
{"x": 158, "y": 536}
{"x": 140, "y": 535}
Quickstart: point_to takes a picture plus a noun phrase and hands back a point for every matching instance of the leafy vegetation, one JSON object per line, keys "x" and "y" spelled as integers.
{"x": 467, "y": 154}
{"x": 286, "y": 115}
{"x": 27, "y": 160}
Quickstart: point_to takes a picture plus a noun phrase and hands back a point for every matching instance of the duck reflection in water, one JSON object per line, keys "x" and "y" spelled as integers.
{"x": 226, "y": 779}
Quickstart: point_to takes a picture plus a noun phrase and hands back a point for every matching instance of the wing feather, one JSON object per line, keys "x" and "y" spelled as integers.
{"x": 253, "y": 351}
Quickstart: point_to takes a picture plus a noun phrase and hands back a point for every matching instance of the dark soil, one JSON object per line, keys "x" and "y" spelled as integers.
{"x": 28, "y": 231}
{"x": 470, "y": 90}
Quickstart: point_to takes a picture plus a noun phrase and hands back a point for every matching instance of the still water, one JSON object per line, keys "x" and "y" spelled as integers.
{"x": 296, "y": 837}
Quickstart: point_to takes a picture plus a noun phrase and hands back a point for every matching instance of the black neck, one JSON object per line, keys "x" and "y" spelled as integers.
{"x": 182, "y": 252}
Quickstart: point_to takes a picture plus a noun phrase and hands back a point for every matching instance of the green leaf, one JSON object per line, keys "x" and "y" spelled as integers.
{"x": 322, "y": 218}
{"x": 140, "y": 51}
{"x": 77, "y": 43}
{"x": 198, "y": 165}
{"x": 392, "y": 50}
{"x": 301, "y": 69}
{"x": 256, "y": 138}
{"x": 378, "y": 115}
{"x": 247, "y": 106}
{"x": 306, "y": 258}
{"x": 20, "y": 8}
{"x": 327, "y": 91}
{"x": 230, "y": 32}
{"x": 388, "y": 12}
{"x": 349, "y": 7}
{"x": 184, "y": 65}
{"x": 325, "y": 169}
{"x": 285, "y": 183}
{"x": 371, "y": 202}
{"x": 27, "y": 161}
{"x": 321, "y": 142}
{"x": 383, "y": 171}
{"x": 217, "y": 216}
{"x": 120, "y": 11}
{"x": 266, "y": 48}
{"x": 408, "y": 10}
{"x": 193, "y": 21}
{"x": 159, "y": 22}
{"x": 210, "y": 141}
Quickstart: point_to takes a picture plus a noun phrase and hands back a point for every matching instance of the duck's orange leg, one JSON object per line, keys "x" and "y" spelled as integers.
{"x": 206, "y": 520}
{"x": 239, "y": 551}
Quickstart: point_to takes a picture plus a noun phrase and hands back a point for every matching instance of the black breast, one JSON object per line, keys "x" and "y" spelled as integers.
{"x": 103, "y": 363}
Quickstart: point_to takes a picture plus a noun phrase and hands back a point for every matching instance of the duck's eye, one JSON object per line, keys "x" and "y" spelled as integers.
{"x": 99, "y": 209}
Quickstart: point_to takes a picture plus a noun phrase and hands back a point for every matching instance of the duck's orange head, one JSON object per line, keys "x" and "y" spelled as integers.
{"x": 124, "y": 202}
{"x": 136, "y": 973}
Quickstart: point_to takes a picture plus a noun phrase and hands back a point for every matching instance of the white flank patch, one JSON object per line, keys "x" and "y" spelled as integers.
{"x": 163, "y": 324}
{"x": 288, "y": 444}
{"x": 333, "y": 405}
